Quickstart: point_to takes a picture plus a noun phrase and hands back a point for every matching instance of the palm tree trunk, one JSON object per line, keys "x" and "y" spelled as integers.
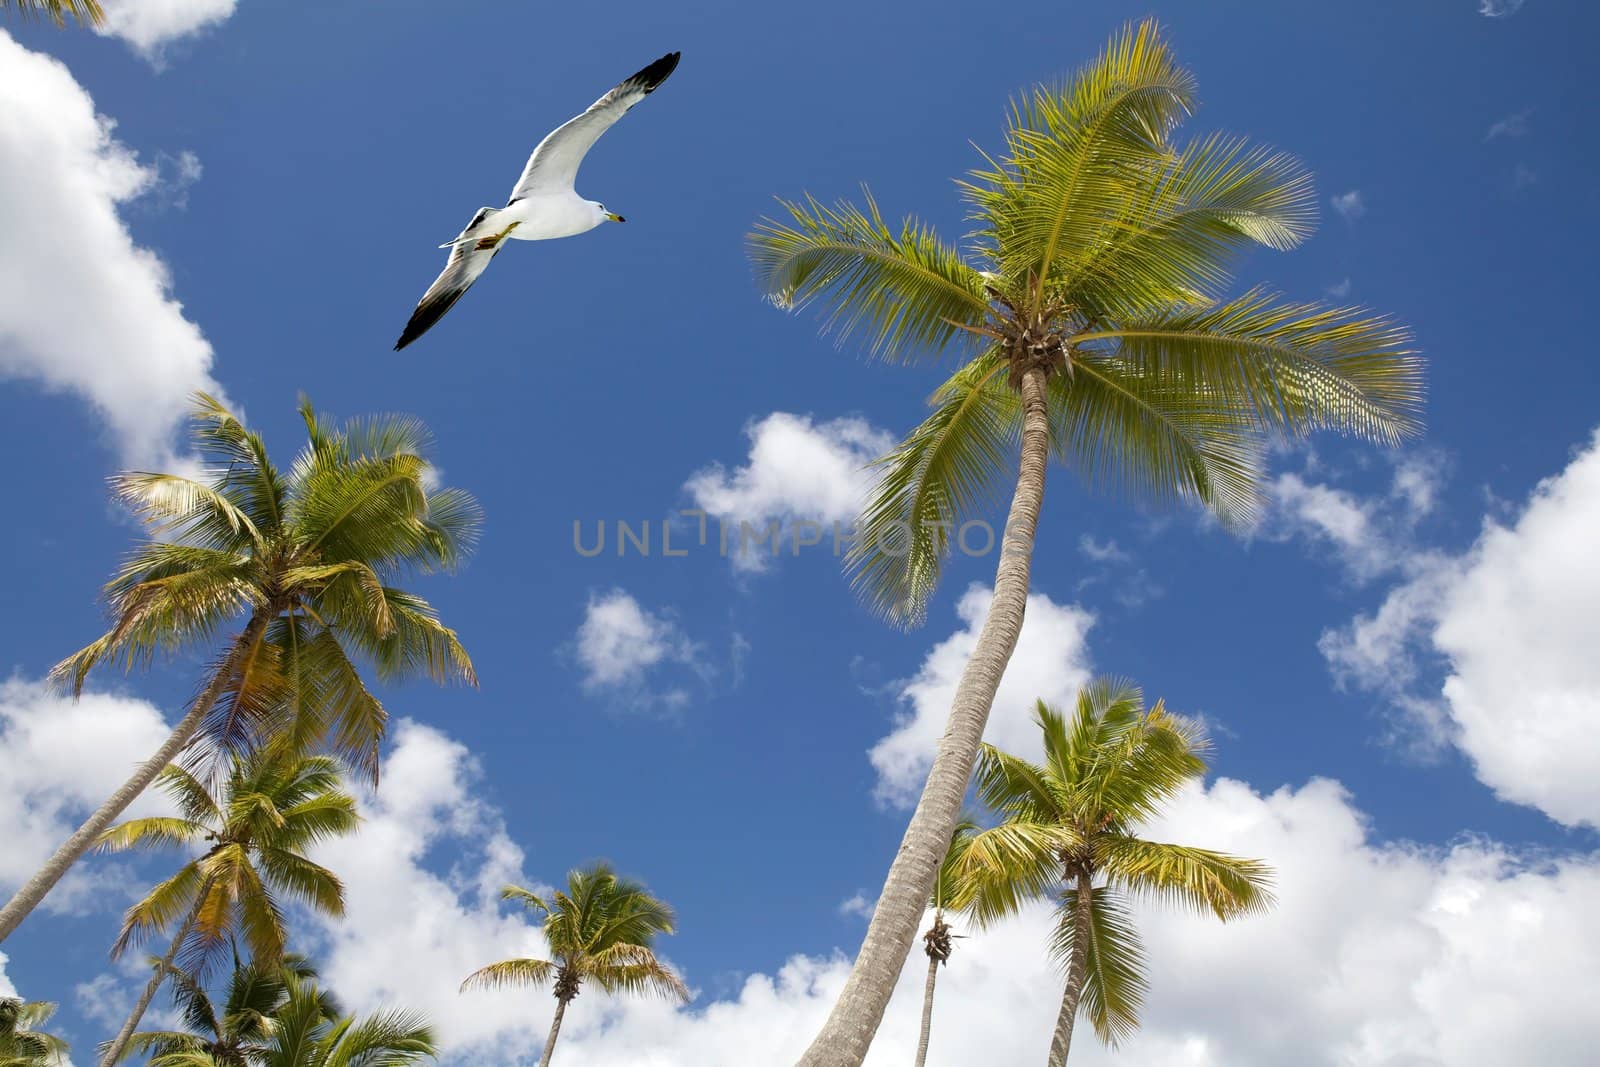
{"x": 555, "y": 1029}
{"x": 119, "y": 1044}
{"x": 71, "y": 851}
{"x": 927, "y": 1011}
{"x": 845, "y": 1037}
{"x": 1061, "y": 1042}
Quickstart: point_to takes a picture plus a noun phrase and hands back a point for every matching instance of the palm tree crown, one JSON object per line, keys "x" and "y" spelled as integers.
{"x": 601, "y": 929}
{"x": 1069, "y": 831}
{"x": 234, "y": 1032}
{"x": 1098, "y": 262}
{"x": 22, "y": 1043}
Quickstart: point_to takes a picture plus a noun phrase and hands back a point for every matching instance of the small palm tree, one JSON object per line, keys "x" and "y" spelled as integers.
{"x": 234, "y": 1033}
{"x": 1069, "y": 831}
{"x": 308, "y": 559}
{"x": 939, "y": 941}
{"x": 22, "y": 1043}
{"x": 306, "y": 1034}
{"x": 272, "y": 809}
{"x": 601, "y": 929}
{"x": 1091, "y": 320}
{"x": 86, "y": 12}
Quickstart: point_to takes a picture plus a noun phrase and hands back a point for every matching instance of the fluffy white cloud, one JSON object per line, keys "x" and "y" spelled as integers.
{"x": 798, "y": 471}
{"x": 620, "y": 645}
{"x": 1351, "y": 205}
{"x": 1499, "y": 9}
{"x": 1384, "y": 955}
{"x": 1051, "y": 662}
{"x": 58, "y": 761}
{"x": 411, "y": 933}
{"x": 150, "y": 24}
{"x": 82, "y": 308}
{"x": 1513, "y": 621}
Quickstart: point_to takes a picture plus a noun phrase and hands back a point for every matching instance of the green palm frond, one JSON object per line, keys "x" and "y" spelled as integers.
{"x": 949, "y": 888}
{"x": 1115, "y": 982}
{"x": 153, "y": 832}
{"x": 186, "y": 510}
{"x": 624, "y": 968}
{"x": 1006, "y": 866}
{"x": 23, "y": 1042}
{"x": 1293, "y": 368}
{"x": 953, "y": 463}
{"x": 84, "y": 12}
{"x": 1223, "y": 885}
{"x": 510, "y": 974}
{"x": 904, "y": 293}
{"x": 1015, "y": 787}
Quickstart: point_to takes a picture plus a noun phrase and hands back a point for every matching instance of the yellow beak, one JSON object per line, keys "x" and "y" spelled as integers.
{"x": 614, "y": 217}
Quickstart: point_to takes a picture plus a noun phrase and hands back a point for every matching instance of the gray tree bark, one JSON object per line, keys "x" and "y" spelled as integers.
{"x": 555, "y": 1029}
{"x": 847, "y": 1034}
{"x": 1077, "y": 971}
{"x": 119, "y": 1044}
{"x": 927, "y": 1011}
{"x": 72, "y": 850}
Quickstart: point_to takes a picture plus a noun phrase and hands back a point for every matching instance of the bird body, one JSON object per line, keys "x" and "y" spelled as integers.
{"x": 543, "y": 204}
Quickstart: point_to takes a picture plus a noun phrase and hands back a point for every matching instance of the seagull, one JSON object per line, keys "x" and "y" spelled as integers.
{"x": 542, "y": 206}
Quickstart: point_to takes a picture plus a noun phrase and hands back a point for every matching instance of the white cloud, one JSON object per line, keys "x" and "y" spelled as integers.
{"x": 620, "y": 645}
{"x": 1499, "y": 9}
{"x": 1351, "y": 205}
{"x": 797, "y": 471}
{"x": 58, "y": 761}
{"x": 149, "y": 24}
{"x": 1385, "y": 955}
{"x": 858, "y": 904}
{"x": 1051, "y": 663}
{"x": 1513, "y": 622}
{"x": 1510, "y": 126}
{"x": 1102, "y": 553}
{"x": 411, "y": 934}
{"x": 1340, "y": 289}
{"x": 82, "y": 308}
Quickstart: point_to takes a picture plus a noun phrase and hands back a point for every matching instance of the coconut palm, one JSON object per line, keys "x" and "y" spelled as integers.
{"x": 22, "y": 1043}
{"x": 309, "y": 560}
{"x": 601, "y": 929}
{"x": 305, "y": 1034}
{"x": 86, "y": 12}
{"x": 1069, "y": 831}
{"x": 939, "y": 940}
{"x": 273, "y": 808}
{"x": 234, "y": 1032}
{"x": 1090, "y": 320}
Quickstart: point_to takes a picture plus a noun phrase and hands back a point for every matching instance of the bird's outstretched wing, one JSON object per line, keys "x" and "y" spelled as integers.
{"x": 554, "y": 164}
{"x": 468, "y": 259}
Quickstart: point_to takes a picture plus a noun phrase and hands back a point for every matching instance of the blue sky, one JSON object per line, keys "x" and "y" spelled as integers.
{"x": 708, "y": 726}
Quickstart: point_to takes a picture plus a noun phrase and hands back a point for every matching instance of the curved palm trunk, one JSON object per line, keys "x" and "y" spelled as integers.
{"x": 927, "y": 1011}
{"x": 555, "y": 1029}
{"x": 119, "y": 1044}
{"x": 854, "y": 1020}
{"x": 1077, "y": 971}
{"x": 71, "y": 851}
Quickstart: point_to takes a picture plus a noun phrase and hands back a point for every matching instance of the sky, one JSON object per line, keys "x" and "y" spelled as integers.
{"x": 1396, "y": 662}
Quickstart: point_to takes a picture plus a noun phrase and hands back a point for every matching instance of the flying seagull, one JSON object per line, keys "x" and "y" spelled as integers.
{"x": 542, "y": 206}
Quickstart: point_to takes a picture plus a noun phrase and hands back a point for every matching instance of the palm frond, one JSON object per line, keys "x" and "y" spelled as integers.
{"x": 509, "y": 974}
{"x": 1115, "y": 983}
{"x": 1215, "y": 882}
{"x": 942, "y": 473}
{"x": 905, "y": 293}
{"x": 1006, "y": 866}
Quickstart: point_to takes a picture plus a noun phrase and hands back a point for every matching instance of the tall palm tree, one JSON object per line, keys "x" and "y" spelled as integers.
{"x": 309, "y": 559}
{"x": 1089, "y": 317}
{"x": 602, "y": 929}
{"x": 305, "y": 1035}
{"x": 86, "y": 12}
{"x": 939, "y": 941}
{"x": 1069, "y": 831}
{"x": 234, "y": 1032}
{"x": 22, "y": 1043}
{"x": 273, "y": 808}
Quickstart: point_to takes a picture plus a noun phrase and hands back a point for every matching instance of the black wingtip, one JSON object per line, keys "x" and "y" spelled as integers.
{"x": 656, "y": 73}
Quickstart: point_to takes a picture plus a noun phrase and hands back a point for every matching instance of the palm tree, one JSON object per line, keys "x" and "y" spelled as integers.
{"x": 305, "y": 1035}
{"x": 22, "y": 1043}
{"x": 234, "y": 1033}
{"x": 308, "y": 559}
{"x": 274, "y": 807}
{"x": 601, "y": 929}
{"x": 86, "y": 12}
{"x": 1090, "y": 321}
{"x": 939, "y": 941}
{"x": 1069, "y": 831}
